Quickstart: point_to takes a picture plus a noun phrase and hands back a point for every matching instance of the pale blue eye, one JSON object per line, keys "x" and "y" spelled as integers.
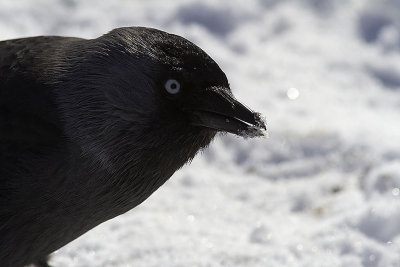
{"x": 172, "y": 86}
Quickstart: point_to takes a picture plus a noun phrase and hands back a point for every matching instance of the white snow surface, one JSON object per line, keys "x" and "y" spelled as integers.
{"x": 323, "y": 190}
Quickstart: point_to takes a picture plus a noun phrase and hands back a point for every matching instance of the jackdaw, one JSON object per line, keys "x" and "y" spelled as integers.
{"x": 91, "y": 128}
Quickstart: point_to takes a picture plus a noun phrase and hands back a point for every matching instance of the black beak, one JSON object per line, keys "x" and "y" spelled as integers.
{"x": 218, "y": 109}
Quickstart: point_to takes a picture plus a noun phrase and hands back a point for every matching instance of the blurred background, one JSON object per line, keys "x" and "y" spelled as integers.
{"x": 323, "y": 190}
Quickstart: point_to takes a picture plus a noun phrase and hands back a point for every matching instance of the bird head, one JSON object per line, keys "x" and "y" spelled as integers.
{"x": 174, "y": 81}
{"x": 158, "y": 90}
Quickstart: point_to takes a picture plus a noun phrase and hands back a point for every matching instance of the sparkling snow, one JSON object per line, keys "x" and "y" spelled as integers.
{"x": 323, "y": 190}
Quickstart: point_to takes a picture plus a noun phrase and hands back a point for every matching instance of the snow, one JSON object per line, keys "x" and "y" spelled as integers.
{"x": 323, "y": 190}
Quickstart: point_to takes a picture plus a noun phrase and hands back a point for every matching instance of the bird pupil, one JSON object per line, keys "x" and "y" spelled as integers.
{"x": 173, "y": 86}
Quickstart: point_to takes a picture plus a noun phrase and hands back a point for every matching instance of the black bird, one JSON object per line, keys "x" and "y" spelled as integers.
{"x": 90, "y": 128}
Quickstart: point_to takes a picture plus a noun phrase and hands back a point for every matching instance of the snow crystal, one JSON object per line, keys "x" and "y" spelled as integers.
{"x": 292, "y": 93}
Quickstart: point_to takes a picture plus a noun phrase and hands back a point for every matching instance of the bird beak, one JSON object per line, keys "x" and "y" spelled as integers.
{"x": 219, "y": 110}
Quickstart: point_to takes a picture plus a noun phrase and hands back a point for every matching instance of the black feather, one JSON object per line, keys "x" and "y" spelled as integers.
{"x": 87, "y": 131}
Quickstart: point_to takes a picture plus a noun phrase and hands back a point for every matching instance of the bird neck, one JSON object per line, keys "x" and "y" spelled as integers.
{"x": 132, "y": 171}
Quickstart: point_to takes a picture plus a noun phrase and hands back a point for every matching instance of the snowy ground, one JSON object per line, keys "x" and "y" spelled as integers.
{"x": 323, "y": 190}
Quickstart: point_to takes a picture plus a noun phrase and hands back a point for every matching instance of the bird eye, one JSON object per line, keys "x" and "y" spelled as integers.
{"x": 172, "y": 86}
